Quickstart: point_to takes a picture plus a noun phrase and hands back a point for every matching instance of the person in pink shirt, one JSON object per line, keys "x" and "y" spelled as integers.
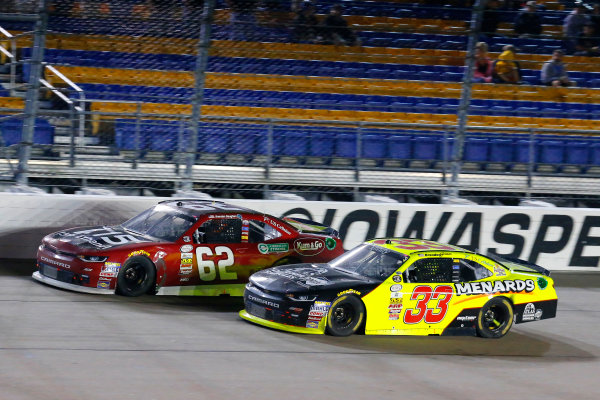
{"x": 483, "y": 65}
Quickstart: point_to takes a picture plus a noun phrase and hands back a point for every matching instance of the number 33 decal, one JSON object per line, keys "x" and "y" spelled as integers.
{"x": 206, "y": 268}
{"x": 441, "y": 296}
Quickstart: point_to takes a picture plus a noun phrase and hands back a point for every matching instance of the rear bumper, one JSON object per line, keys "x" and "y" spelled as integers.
{"x": 69, "y": 286}
{"x": 283, "y": 327}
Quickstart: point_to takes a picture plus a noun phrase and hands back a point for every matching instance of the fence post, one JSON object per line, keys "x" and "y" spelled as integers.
{"x": 72, "y": 139}
{"x": 531, "y": 163}
{"x": 137, "y": 138}
{"x": 31, "y": 99}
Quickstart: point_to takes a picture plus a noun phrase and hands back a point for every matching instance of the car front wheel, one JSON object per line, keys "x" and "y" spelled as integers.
{"x": 495, "y": 318}
{"x": 346, "y": 315}
{"x": 136, "y": 277}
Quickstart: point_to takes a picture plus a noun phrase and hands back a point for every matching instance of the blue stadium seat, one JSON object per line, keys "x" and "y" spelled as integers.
{"x": 399, "y": 147}
{"x": 374, "y": 146}
{"x": 425, "y": 147}
{"x": 476, "y": 149}
{"x": 551, "y": 152}
{"x": 345, "y": 145}
{"x": 577, "y": 152}
{"x": 501, "y": 150}
{"x": 322, "y": 144}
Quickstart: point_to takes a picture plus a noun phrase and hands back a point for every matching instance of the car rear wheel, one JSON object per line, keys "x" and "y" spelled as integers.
{"x": 136, "y": 277}
{"x": 346, "y": 315}
{"x": 495, "y": 318}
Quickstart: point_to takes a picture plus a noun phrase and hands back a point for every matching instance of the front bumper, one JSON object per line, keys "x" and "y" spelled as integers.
{"x": 283, "y": 327}
{"x": 69, "y": 286}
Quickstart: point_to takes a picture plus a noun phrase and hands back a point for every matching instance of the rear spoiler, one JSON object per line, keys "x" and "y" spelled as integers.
{"x": 518, "y": 261}
{"x": 308, "y": 226}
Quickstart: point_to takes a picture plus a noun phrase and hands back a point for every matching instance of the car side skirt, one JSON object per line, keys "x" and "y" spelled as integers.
{"x": 69, "y": 286}
{"x": 203, "y": 290}
{"x": 283, "y": 327}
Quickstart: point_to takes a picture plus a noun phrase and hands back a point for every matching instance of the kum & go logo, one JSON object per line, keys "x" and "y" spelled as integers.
{"x": 309, "y": 247}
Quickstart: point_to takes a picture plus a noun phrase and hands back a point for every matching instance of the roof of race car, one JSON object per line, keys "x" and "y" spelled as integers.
{"x": 200, "y": 207}
{"x": 410, "y": 246}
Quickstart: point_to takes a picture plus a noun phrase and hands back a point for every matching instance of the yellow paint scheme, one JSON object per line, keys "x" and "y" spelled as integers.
{"x": 378, "y": 301}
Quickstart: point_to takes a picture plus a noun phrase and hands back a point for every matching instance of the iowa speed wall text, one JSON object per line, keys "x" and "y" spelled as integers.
{"x": 556, "y": 238}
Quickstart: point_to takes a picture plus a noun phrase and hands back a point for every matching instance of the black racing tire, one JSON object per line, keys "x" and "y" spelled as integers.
{"x": 346, "y": 316}
{"x": 136, "y": 277}
{"x": 495, "y": 318}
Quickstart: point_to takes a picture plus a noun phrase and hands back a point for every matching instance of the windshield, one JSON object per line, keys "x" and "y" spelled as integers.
{"x": 161, "y": 222}
{"x": 370, "y": 261}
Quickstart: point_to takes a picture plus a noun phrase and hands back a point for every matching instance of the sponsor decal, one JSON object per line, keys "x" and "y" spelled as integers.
{"x": 303, "y": 276}
{"x": 395, "y": 288}
{"x": 330, "y": 243}
{"x": 110, "y": 269}
{"x": 394, "y": 300}
{"x": 276, "y": 224}
{"x": 54, "y": 262}
{"x": 88, "y": 269}
{"x": 499, "y": 271}
{"x": 187, "y": 261}
{"x": 184, "y": 279}
{"x": 103, "y": 284}
{"x": 186, "y": 248}
{"x": 245, "y": 222}
{"x": 349, "y": 291}
{"x": 245, "y": 228}
{"x": 395, "y": 295}
{"x": 225, "y": 216}
{"x": 394, "y": 316}
{"x": 508, "y": 286}
{"x": 101, "y": 238}
{"x": 538, "y": 314}
{"x": 187, "y": 255}
{"x": 263, "y": 301}
{"x": 139, "y": 253}
{"x": 312, "y": 324}
{"x": 394, "y": 309}
{"x": 264, "y": 248}
{"x": 397, "y": 278}
{"x": 186, "y": 239}
{"x": 185, "y": 269}
{"x": 466, "y": 318}
{"x": 542, "y": 283}
{"x": 309, "y": 247}
{"x": 529, "y": 312}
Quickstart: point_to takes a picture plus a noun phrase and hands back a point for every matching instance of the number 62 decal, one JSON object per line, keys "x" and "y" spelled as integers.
{"x": 207, "y": 269}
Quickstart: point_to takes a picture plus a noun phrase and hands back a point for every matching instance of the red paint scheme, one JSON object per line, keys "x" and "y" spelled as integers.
{"x": 211, "y": 263}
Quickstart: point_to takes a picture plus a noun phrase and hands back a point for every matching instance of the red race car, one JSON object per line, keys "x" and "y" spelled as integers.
{"x": 181, "y": 247}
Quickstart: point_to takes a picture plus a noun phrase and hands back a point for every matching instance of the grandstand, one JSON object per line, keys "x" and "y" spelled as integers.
{"x": 283, "y": 114}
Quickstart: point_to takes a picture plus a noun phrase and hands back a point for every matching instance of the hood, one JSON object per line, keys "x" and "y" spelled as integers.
{"x": 302, "y": 278}
{"x": 96, "y": 238}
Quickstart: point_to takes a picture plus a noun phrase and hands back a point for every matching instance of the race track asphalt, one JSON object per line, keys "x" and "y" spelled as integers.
{"x": 56, "y": 344}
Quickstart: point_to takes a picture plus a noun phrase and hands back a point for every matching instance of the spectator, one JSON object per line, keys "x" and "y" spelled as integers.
{"x": 306, "y": 24}
{"x": 483, "y": 65}
{"x": 554, "y": 72}
{"x": 490, "y": 18}
{"x": 506, "y": 69}
{"x": 242, "y": 21}
{"x": 587, "y": 42}
{"x": 528, "y": 21}
{"x": 336, "y": 30}
{"x": 573, "y": 26}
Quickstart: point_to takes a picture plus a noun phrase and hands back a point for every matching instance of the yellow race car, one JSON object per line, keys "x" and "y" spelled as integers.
{"x": 402, "y": 287}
